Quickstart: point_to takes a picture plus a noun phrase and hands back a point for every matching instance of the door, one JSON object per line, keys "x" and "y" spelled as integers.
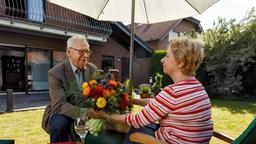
{"x": 13, "y": 72}
{"x": 124, "y": 68}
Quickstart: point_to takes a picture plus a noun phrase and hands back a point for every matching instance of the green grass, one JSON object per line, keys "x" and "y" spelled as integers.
{"x": 230, "y": 117}
{"x": 23, "y": 127}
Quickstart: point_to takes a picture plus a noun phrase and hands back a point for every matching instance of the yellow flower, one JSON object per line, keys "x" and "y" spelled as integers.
{"x": 84, "y": 85}
{"x": 101, "y": 102}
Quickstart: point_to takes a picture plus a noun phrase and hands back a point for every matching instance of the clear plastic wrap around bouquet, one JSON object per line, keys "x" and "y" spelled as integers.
{"x": 103, "y": 93}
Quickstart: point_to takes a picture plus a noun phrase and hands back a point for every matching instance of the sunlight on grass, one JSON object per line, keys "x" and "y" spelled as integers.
{"x": 230, "y": 117}
{"x": 23, "y": 127}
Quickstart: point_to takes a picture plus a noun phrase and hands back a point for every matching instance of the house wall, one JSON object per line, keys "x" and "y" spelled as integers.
{"x": 164, "y": 43}
{"x": 113, "y": 48}
{"x": 184, "y": 26}
{"x": 154, "y": 44}
{"x": 2, "y": 10}
{"x": 31, "y": 40}
{"x": 141, "y": 71}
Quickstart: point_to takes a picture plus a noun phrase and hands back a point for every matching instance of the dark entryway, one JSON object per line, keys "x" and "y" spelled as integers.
{"x": 124, "y": 69}
{"x": 13, "y": 73}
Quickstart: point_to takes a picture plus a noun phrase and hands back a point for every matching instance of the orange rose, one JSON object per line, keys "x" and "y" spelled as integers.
{"x": 86, "y": 91}
{"x": 113, "y": 92}
{"x": 112, "y": 83}
{"x": 106, "y": 92}
{"x": 92, "y": 82}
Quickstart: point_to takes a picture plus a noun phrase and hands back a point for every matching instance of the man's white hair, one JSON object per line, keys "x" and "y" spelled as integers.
{"x": 71, "y": 41}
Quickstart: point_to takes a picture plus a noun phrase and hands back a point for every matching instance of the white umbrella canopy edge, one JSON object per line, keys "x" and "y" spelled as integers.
{"x": 146, "y": 11}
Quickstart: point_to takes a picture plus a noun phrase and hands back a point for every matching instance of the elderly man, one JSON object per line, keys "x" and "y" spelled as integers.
{"x": 62, "y": 110}
{"x": 60, "y": 114}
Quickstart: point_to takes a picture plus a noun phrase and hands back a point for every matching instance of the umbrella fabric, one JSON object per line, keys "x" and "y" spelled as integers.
{"x": 136, "y": 11}
{"x": 146, "y": 11}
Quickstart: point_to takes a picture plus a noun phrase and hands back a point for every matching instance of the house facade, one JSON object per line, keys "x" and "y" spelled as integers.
{"x": 158, "y": 35}
{"x": 33, "y": 36}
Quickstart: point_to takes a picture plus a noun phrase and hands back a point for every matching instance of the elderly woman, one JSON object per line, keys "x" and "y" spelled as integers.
{"x": 183, "y": 109}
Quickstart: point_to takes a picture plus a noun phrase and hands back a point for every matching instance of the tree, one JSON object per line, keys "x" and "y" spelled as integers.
{"x": 230, "y": 58}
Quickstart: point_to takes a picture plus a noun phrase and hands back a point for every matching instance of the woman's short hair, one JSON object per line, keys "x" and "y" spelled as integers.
{"x": 71, "y": 41}
{"x": 189, "y": 51}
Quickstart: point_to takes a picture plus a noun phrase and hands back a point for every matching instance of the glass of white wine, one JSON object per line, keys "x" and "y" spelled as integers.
{"x": 81, "y": 128}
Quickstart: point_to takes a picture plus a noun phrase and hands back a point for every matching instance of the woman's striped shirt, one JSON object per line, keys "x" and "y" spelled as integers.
{"x": 183, "y": 111}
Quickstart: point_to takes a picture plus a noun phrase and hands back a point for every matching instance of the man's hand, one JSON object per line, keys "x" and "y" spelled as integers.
{"x": 97, "y": 115}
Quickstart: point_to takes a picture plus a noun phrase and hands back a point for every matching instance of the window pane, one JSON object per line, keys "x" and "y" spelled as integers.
{"x": 107, "y": 63}
{"x": 12, "y": 70}
{"x": 38, "y": 66}
{"x": 59, "y": 56}
{"x": 35, "y": 10}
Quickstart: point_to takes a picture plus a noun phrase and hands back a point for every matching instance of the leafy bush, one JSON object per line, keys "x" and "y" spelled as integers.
{"x": 229, "y": 67}
{"x": 156, "y": 67}
{"x": 145, "y": 88}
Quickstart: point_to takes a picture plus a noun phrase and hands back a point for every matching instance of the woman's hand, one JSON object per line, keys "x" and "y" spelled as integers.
{"x": 141, "y": 102}
{"x": 133, "y": 101}
{"x": 96, "y": 114}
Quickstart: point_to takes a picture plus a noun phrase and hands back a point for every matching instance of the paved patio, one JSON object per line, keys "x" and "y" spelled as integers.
{"x": 22, "y": 101}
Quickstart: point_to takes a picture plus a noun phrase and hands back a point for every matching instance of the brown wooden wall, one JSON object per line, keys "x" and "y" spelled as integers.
{"x": 2, "y": 7}
{"x": 31, "y": 40}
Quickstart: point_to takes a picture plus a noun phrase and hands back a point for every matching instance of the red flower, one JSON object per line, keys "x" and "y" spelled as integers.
{"x": 124, "y": 101}
{"x": 97, "y": 91}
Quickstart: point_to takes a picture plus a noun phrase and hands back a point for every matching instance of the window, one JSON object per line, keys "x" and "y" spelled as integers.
{"x": 107, "y": 62}
{"x": 35, "y": 10}
{"x": 172, "y": 34}
{"x": 59, "y": 56}
{"x": 30, "y": 9}
{"x": 38, "y": 65}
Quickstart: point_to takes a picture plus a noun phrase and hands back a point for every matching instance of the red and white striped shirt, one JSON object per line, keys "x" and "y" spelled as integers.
{"x": 183, "y": 111}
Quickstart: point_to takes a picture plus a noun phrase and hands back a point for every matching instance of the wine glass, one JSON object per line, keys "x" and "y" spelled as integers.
{"x": 81, "y": 127}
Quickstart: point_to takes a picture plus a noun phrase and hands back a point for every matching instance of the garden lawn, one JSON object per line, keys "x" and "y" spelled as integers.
{"x": 230, "y": 117}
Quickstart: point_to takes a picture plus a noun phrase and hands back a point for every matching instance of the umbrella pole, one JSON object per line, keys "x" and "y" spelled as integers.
{"x": 131, "y": 46}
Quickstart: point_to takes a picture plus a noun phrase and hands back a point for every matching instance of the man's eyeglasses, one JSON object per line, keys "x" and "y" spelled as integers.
{"x": 82, "y": 51}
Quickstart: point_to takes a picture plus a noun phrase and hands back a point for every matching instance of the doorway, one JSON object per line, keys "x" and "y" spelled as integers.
{"x": 13, "y": 73}
{"x": 124, "y": 69}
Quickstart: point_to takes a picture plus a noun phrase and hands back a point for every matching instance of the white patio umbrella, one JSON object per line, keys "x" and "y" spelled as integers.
{"x": 139, "y": 11}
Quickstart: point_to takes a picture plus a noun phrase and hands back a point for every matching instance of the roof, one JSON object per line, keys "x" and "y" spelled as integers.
{"x": 122, "y": 34}
{"x": 156, "y": 31}
{"x": 153, "y": 31}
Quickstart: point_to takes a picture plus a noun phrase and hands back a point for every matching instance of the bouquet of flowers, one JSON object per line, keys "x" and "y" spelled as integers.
{"x": 102, "y": 93}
